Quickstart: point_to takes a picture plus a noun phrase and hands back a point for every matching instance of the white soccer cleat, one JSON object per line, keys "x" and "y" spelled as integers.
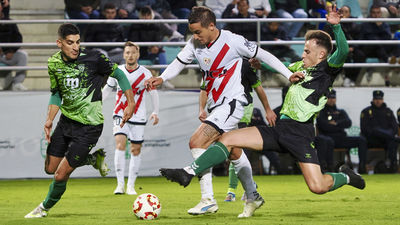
{"x": 38, "y": 212}
{"x": 119, "y": 190}
{"x": 250, "y": 206}
{"x": 130, "y": 190}
{"x": 206, "y": 205}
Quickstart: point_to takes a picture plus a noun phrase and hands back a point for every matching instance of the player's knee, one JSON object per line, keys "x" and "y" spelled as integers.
{"x": 58, "y": 177}
{"x": 48, "y": 171}
{"x": 193, "y": 143}
{"x": 317, "y": 188}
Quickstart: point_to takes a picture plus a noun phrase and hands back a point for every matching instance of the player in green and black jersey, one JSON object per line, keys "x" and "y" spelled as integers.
{"x": 294, "y": 132}
{"x": 76, "y": 77}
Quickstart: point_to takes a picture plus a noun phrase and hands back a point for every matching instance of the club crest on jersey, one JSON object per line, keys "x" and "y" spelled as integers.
{"x": 250, "y": 45}
{"x": 207, "y": 61}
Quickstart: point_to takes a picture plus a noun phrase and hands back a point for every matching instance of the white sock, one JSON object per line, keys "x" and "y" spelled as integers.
{"x": 134, "y": 166}
{"x": 244, "y": 172}
{"x": 205, "y": 178}
{"x": 119, "y": 163}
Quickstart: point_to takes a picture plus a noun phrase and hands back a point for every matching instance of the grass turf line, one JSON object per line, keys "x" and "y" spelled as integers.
{"x": 288, "y": 201}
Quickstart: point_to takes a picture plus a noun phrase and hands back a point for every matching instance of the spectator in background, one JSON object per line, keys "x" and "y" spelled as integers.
{"x": 261, "y": 7}
{"x": 181, "y": 9}
{"x": 240, "y": 9}
{"x": 6, "y": 8}
{"x": 161, "y": 10}
{"x": 148, "y": 32}
{"x": 290, "y": 9}
{"x": 376, "y": 31}
{"x": 389, "y": 8}
{"x": 356, "y": 55}
{"x": 83, "y": 9}
{"x": 125, "y": 8}
{"x": 332, "y": 122}
{"x": 379, "y": 126}
{"x": 109, "y": 32}
{"x": 273, "y": 31}
{"x": 218, "y": 7}
{"x": 11, "y": 56}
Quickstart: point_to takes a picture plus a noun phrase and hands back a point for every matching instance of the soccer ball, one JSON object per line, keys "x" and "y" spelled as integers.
{"x": 147, "y": 206}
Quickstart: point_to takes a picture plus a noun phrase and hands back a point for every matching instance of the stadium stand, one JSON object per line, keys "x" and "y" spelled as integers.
{"x": 37, "y": 33}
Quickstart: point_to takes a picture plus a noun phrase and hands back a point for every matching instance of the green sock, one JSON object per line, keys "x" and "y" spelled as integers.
{"x": 339, "y": 179}
{"x": 214, "y": 155}
{"x": 56, "y": 190}
{"x": 233, "y": 179}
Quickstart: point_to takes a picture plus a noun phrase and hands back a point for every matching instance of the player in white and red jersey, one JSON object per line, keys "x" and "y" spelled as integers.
{"x": 219, "y": 54}
{"x": 134, "y": 128}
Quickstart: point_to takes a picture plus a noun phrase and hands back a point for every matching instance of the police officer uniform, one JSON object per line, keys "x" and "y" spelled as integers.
{"x": 331, "y": 123}
{"x": 379, "y": 126}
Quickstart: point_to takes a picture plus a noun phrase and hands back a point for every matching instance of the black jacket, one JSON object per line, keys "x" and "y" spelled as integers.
{"x": 9, "y": 33}
{"x": 332, "y": 113}
{"x": 109, "y": 32}
{"x": 382, "y": 118}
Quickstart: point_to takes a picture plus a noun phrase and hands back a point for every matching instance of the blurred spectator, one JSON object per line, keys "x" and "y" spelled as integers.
{"x": 6, "y": 8}
{"x": 389, "y": 8}
{"x": 11, "y": 56}
{"x": 240, "y": 9}
{"x": 376, "y": 31}
{"x": 331, "y": 123}
{"x": 83, "y": 9}
{"x": 290, "y": 9}
{"x": 108, "y": 32}
{"x": 160, "y": 9}
{"x": 261, "y": 7}
{"x": 182, "y": 9}
{"x": 273, "y": 31}
{"x": 356, "y": 55}
{"x": 218, "y": 7}
{"x": 125, "y": 8}
{"x": 379, "y": 126}
{"x": 148, "y": 32}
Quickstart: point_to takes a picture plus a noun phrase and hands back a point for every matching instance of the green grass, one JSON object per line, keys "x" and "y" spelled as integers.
{"x": 288, "y": 201}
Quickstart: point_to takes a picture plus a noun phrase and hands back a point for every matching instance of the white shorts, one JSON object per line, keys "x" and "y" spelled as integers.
{"x": 134, "y": 132}
{"x": 226, "y": 116}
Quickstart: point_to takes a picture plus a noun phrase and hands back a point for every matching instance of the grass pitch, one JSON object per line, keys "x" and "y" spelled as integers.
{"x": 288, "y": 201}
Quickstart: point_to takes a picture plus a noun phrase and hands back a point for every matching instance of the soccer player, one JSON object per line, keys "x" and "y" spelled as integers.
{"x": 76, "y": 77}
{"x": 134, "y": 129}
{"x": 250, "y": 81}
{"x": 220, "y": 54}
{"x": 294, "y": 132}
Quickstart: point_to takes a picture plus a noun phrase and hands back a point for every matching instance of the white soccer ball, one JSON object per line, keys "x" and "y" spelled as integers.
{"x": 147, "y": 207}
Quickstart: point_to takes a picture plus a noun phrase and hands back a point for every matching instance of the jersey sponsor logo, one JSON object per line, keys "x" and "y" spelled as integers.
{"x": 72, "y": 83}
{"x": 250, "y": 45}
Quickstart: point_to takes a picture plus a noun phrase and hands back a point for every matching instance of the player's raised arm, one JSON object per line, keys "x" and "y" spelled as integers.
{"x": 338, "y": 58}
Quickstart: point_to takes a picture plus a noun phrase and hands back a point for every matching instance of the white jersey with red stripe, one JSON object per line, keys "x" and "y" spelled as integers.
{"x": 221, "y": 64}
{"x": 136, "y": 79}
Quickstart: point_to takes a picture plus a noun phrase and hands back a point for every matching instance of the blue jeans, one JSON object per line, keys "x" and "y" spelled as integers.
{"x": 292, "y": 28}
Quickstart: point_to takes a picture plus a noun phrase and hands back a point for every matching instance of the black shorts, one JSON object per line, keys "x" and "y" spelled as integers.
{"x": 73, "y": 140}
{"x": 290, "y": 136}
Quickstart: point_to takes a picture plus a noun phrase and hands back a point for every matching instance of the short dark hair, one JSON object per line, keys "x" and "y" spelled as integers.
{"x": 67, "y": 29}
{"x": 202, "y": 15}
{"x": 322, "y": 39}
{"x": 109, "y": 5}
{"x": 374, "y": 7}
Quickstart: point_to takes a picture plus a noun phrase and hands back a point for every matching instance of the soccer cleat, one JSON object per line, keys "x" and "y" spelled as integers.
{"x": 356, "y": 179}
{"x": 100, "y": 163}
{"x": 177, "y": 175}
{"x": 119, "y": 190}
{"x": 230, "y": 197}
{"x": 38, "y": 212}
{"x": 206, "y": 205}
{"x": 130, "y": 190}
{"x": 250, "y": 206}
